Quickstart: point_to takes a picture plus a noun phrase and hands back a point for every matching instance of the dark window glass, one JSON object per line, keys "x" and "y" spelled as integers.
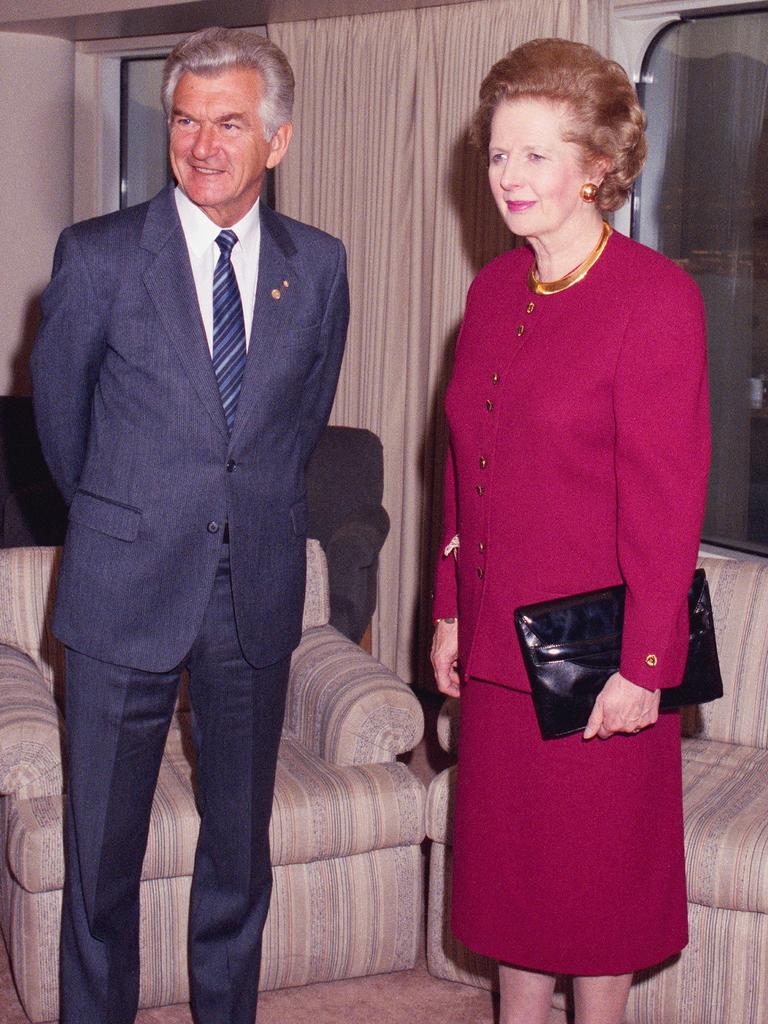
{"x": 703, "y": 200}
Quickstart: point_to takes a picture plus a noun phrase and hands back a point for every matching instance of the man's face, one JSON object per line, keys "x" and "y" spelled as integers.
{"x": 218, "y": 151}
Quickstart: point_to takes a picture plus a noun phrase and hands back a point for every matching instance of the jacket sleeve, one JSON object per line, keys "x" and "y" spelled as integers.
{"x": 320, "y": 386}
{"x": 65, "y": 363}
{"x": 445, "y": 602}
{"x": 662, "y": 459}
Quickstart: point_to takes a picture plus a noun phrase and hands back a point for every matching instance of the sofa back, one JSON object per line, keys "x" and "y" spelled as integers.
{"x": 28, "y": 589}
{"x": 739, "y": 592}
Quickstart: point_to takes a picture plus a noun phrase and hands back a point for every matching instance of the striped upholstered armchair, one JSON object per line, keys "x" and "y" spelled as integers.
{"x": 722, "y": 976}
{"x": 347, "y": 819}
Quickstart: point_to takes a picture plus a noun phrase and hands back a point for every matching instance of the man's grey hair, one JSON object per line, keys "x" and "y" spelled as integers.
{"x": 212, "y": 51}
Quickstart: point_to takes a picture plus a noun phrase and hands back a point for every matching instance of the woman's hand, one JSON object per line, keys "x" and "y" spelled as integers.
{"x": 444, "y": 655}
{"x": 622, "y": 707}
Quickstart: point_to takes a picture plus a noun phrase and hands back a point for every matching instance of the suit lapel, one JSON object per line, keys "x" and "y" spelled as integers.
{"x": 270, "y": 309}
{"x": 171, "y": 287}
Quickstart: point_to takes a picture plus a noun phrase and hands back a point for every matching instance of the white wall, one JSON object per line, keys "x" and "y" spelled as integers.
{"x": 36, "y": 107}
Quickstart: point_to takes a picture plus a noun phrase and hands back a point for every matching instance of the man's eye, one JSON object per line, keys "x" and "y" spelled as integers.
{"x": 228, "y": 126}
{"x": 536, "y": 157}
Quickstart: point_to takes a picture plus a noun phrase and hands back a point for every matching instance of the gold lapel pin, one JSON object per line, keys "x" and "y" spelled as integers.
{"x": 276, "y": 293}
{"x": 285, "y": 284}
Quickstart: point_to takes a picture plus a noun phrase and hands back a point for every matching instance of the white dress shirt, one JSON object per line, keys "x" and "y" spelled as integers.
{"x": 200, "y": 234}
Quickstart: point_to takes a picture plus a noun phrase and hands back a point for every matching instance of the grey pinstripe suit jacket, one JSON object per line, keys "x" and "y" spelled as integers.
{"x": 131, "y": 423}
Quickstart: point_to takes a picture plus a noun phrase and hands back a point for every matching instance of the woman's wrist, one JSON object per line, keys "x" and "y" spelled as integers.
{"x": 450, "y": 619}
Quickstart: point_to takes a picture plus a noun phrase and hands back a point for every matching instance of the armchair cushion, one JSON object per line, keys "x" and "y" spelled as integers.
{"x": 725, "y": 795}
{"x": 320, "y": 812}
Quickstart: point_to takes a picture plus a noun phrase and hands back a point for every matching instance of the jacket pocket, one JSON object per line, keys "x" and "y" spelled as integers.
{"x": 300, "y": 517}
{"x": 109, "y": 517}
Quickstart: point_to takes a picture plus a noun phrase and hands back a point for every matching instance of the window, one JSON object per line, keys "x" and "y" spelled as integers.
{"x": 703, "y": 201}
{"x": 143, "y": 132}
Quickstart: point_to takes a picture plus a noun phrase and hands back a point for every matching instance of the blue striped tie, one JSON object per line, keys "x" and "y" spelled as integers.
{"x": 228, "y": 328}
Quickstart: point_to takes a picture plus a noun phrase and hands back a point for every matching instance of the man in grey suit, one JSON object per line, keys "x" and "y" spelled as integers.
{"x": 185, "y": 367}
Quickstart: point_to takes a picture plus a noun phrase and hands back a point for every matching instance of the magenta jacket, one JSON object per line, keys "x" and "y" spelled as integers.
{"x": 579, "y": 451}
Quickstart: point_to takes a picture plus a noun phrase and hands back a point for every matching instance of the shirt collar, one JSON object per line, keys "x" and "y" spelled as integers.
{"x": 200, "y": 231}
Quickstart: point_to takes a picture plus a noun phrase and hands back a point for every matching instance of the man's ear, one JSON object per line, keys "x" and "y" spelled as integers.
{"x": 278, "y": 144}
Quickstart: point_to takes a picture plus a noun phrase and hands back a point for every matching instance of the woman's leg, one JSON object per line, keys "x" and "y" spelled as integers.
{"x": 526, "y": 996}
{"x": 601, "y": 1000}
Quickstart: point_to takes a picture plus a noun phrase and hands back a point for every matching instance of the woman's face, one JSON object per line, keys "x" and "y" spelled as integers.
{"x": 535, "y": 174}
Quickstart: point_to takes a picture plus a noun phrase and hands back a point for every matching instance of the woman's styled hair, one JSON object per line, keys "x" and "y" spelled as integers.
{"x": 211, "y": 51}
{"x": 604, "y": 117}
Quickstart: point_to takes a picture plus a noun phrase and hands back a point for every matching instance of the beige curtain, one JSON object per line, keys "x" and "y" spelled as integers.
{"x": 380, "y": 158}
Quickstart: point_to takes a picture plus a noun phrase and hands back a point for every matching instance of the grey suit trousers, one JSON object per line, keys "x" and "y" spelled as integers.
{"x": 117, "y": 722}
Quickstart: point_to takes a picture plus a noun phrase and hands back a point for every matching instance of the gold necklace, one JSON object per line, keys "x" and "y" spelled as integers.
{"x": 553, "y": 287}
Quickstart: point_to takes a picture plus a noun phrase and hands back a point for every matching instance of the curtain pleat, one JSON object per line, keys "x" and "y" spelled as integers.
{"x": 380, "y": 157}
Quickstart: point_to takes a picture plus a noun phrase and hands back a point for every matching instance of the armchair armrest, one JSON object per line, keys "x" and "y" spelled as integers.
{"x": 448, "y": 725}
{"x": 347, "y": 707}
{"x": 30, "y": 730}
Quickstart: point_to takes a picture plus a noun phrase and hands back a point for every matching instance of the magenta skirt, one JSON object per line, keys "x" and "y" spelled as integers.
{"x": 567, "y": 856}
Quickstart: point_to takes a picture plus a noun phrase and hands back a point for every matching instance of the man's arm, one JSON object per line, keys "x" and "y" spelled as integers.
{"x": 65, "y": 363}
{"x": 320, "y": 386}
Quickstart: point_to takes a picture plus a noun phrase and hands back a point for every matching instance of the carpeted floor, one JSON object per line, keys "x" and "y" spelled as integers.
{"x": 383, "y": 999}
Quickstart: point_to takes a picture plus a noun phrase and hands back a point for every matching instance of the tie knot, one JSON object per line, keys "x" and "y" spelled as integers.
{"x": 226, "y": 241}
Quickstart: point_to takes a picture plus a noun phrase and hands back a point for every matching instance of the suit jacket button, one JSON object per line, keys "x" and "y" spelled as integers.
{"x": 213, "y": 526}
{"x": 231, "y": 466}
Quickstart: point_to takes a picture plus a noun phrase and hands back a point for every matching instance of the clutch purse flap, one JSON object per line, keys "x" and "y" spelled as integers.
{"x": 572, "y": 645}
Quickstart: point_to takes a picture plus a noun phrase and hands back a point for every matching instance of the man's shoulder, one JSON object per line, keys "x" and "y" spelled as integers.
{"x": 122, "y": 225}
{"x": 303, "y": 236}
{"x": 120, "y": 222}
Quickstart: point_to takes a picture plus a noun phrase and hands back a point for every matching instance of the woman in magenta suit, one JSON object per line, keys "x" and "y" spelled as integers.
{"x": 579, "y": 449}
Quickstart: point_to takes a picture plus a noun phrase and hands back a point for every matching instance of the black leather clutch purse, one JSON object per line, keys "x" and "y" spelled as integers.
{"x": 572, "y": 645}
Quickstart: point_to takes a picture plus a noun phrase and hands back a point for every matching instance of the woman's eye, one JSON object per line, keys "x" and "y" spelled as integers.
{"x": 535, "y": 157}
{"x": 497, "y": 158}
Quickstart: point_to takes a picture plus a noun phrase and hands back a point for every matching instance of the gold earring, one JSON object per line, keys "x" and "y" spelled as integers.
{"x": 588, "y": 192}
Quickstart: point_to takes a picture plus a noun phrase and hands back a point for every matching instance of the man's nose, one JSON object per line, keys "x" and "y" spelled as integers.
{"x": 205, "y": 141}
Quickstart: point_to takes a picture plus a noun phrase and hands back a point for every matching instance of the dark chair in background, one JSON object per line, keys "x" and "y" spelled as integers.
{"x": 344, "y": 490}
{"x": 31, "y": 508}
{"x": 345, "y": 482}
